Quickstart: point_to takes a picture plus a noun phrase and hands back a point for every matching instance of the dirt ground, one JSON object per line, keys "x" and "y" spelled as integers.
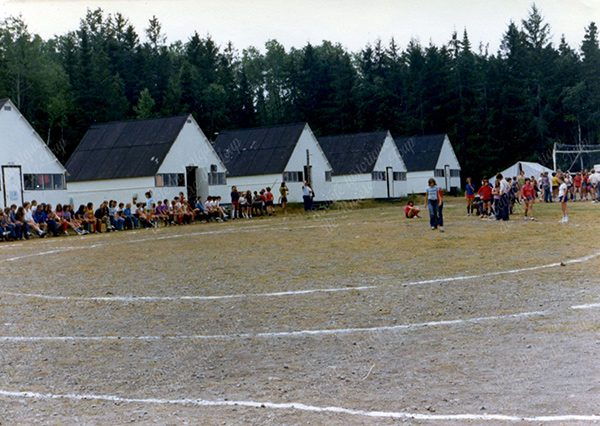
{"x": 355, "y": 308}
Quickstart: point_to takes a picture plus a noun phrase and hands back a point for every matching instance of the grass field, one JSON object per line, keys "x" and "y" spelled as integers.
{"x": 354, "y": 315}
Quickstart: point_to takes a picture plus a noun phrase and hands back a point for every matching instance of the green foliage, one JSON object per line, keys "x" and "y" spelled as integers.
{"x": 496, "y": 108}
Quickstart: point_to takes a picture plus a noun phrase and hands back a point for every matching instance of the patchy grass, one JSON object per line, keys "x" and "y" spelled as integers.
{"x": 530, "y": 366}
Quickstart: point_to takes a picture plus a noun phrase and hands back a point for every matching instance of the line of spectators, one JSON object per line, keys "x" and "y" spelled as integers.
{"x": 43, "y": 220}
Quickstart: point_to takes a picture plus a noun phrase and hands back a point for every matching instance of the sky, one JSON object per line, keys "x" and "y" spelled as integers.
{"x": 294, "y": 23}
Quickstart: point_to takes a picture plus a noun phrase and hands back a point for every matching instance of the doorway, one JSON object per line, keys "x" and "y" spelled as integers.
{"x": 389, "y": 176}
{"x": 447, "y": 176}
{"x": 12, "y": 183}
{"x": 192, "y": 182}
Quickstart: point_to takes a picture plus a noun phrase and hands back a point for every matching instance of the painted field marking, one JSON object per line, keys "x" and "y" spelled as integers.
{"x": 299, "y": 333}
{"x": 167, "y": 237}
{"x": 301, "y": 407}
{"x": 294, "y": 292}
{"x": 589, "y": 306}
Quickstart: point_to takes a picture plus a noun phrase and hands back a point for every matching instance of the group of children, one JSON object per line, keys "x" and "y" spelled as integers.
{"x": 245, "y": 205}
{"x": 42, "y": 220}
{"x": 497, "y": 201}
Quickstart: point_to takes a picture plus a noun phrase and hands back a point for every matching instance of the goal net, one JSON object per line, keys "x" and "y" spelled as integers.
{"x": 575, "y": 158}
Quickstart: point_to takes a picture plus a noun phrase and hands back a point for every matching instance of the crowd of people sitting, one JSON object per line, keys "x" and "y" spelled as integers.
{"x": 31, "y": 219}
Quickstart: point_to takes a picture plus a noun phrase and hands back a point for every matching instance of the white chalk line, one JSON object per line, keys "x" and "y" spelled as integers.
{"x": 589, "y": 306}
{"x": 294, "y": 292}
{"x": 300, "y": 407}
{"x": 168, "y": 237}
{"x": 299, "y": 333}
{"x": 180, "y": 298}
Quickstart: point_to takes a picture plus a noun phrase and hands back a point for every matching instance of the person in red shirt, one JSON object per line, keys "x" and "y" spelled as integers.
{"x": 577, "y": 184}
{"x": 485, "y": 192}
{"x": 528, "y": 196}
{"x": 411, "y": 211}
{"x": 269, "y": 202}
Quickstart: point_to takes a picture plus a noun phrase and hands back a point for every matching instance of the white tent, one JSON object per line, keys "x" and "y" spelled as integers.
{"x": 530, "y": 169}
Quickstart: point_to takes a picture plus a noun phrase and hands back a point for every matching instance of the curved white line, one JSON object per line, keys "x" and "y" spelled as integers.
{"x": 299, "y": 333}
{"x": 303, "y": 407}
{"x": 590, "y": 306}
{"x": 166, "y": 237}
{"x": 294, "y": 292}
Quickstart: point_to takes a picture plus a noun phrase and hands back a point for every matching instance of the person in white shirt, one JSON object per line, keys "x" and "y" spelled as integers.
{"x": 563, "y": 196}
{"x": 29, "y": 219}
{"x": 307, "y": 194}
{"x": 504, "y": 197}
{"x": 593, "y": 180}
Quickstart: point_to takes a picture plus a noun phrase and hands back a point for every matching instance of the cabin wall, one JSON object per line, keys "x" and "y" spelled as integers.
{"x": 319, "y": 165}
{"x": 21, "y": 146}
{"x": 121, "y": 190}
{"x": 448, "y": 158}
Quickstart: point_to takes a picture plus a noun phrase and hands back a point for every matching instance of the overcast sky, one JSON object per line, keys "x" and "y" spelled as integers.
{"x": 353, "y": 23}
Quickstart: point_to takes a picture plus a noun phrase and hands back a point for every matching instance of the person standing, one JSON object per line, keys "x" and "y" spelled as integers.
{"x": 433, "y": 201}
{"x": 546, "y": 188}
{"x": 504, "y": 197}
{"x": 307, "y": 194}
{"x": 520, "y": 181}
{"x": 470, "y": 196}
{"x": 563, "y": 196}
{"x": 485, "y": 193}
{"x": 235, "y": 202}
{"x": 528, "y": 197}
{"x": 283, "y": 194}
{"x": 554, "y": 181}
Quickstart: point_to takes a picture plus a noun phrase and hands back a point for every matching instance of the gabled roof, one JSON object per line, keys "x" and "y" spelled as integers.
{"x": 258, "y": 151}
{"x": 353, "y": 154}
{"x": 124, "y": 149}
{"x": 2, "y": 102}
{"x": 420, "y": 153}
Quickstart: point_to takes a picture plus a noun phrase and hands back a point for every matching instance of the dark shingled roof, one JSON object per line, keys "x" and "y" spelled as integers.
{"x": 420, "y": 153}
{"x": 3, "y": 101}
{"x": 353, "y": 154}
{"x": 258, "y": 151}
{"x": 124, "y": 149}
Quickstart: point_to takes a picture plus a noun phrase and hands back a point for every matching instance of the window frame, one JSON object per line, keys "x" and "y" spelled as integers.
{"x": 293, "y": 176}
{"x": 377, "y": 176}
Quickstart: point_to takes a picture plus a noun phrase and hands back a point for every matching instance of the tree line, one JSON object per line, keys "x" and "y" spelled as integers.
{"x": 497, "y": 108}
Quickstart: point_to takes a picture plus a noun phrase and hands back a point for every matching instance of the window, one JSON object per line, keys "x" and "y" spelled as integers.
{"x": 399, "y": 175}
{"x": 454, "y": 173}
{"x": 7, "y": 108}
{"x": 327, "y": 175}
{"x": 438, "y": 173}
{"x": 43, "y": 182}
{"x": 293, "y": 176}
{"x": 217, "y": 178}
{"x": 378, "y": 176}
{"x": 169, "y": 179}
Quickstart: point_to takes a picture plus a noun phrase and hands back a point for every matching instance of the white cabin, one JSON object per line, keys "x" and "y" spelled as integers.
{"x": 426, "y": 157}
{"x": 365, "y": 166}
{"x": 124, "y": 160}
{"x": 267, "y": 156}
{"x": 29, "y": 169}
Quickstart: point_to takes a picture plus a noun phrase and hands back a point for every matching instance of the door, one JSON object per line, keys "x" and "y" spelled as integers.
{"x": 447, "y": 176}
{"x": 12, "y": 184}
{"x": 191, "y": 182}
{"x": 389, "y": 176}
{"x": 202, "y": 182}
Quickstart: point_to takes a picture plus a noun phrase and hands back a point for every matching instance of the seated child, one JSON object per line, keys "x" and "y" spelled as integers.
{"x": 411, "y": 211}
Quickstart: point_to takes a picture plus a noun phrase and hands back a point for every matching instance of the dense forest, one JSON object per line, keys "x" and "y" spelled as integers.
{"x": 496, "y": 107}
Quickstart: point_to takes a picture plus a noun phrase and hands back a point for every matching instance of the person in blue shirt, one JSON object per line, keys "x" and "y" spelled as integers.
{"x": 200, "y": 210}
{"x": 433, "y": 200}
{"x": 470, "y": 196}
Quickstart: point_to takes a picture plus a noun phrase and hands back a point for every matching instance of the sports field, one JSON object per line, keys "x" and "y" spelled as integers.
{"x": 355, "y": 315}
